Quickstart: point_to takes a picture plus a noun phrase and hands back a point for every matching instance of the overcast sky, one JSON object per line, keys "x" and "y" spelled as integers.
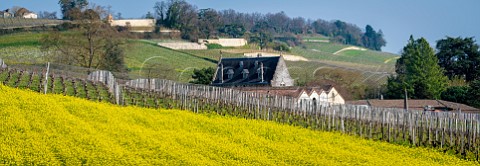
{"x": 432, "y": 19}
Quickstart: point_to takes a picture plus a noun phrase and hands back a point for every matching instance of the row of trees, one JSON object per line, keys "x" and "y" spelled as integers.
{"x": 260, "y": 28}
{"x": 453, "y": 73}
{"x": 89, "y": 41}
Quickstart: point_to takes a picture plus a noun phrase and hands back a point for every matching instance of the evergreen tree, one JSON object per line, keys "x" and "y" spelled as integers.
{"x": 474, "y": 94}
{"x": 460, "y": 57}
{"x": 418, "y": 72}
{"x": 203, "y": 76}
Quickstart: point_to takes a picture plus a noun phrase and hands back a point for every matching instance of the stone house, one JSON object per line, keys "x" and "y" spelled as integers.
{"x": 30, "y": 15}
{"x": 257, "y": 71}
{"x": 6, "y": 14}
{"x": 324, "y": 95}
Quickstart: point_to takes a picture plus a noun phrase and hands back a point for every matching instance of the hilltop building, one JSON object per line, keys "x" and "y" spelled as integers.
{"x": 6, "y": 14}
{"x": 134, "y": 25}
{"x": 258, "y": 71}
{"x": 25, "y": 13}
{"x": 30, "y": 15}
{"x": 225, "y": 42}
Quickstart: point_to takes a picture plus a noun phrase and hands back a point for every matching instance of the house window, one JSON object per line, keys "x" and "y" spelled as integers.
{"x": 230, "y": 73}
{"x": 245, "y": 73}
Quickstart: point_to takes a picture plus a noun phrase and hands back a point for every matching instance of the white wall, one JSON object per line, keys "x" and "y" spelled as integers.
{"x": 226, "y": 42}
{"x": 30, "y": 15}
{"x": 334, "y": 97}
{"x": 184, "y": 46}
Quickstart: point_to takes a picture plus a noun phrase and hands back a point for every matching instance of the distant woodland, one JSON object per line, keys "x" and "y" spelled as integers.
{"x": 268, "y": 30}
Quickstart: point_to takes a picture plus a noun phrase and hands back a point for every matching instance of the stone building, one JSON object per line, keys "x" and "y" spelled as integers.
{"x": 30, "y": 15}
{"x": 6, "y": 14}
{"x": 324, "y": 95}
{"x": 134, "y": 25}
{"x": 258, "y": 71}
{"x": 225, "y": 42}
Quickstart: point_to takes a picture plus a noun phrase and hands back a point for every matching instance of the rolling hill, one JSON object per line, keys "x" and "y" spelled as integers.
{"x": 54, "y": 129}
{"x": 145, "y": 59}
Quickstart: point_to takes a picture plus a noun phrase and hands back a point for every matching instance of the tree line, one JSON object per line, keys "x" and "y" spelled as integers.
{"x": 263, "y": 29}
{"x": 451, "y": 73}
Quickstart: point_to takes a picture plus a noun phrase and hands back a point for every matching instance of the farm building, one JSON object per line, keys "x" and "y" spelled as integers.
{"x": 325, "y": 94}
{"x": 257, "y": 71}
{"x": 418, "y": 105}
{"x": 6, "y": 14}
{"x": 30, "y": 15}
{"x": 134, "y": 25}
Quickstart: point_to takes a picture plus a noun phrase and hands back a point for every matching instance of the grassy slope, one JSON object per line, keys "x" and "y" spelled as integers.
{"x": 21, "y": 39}
{"x": 177, "y": 65}
{"x": 53, "y": 129}
{"x": 21, "y": 47}
{"x": 351, "y": 58}
{"x": 173, "y": 65}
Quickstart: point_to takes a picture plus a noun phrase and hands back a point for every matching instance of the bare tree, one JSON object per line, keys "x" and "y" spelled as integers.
{"x": 92, "y": 43}
{"x": 47, "y": 15}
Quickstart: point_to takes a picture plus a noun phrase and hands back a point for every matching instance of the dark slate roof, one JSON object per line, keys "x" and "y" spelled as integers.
{"x": 244, "y": 65}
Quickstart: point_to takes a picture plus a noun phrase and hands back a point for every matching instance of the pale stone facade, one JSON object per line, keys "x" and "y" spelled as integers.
{"x": 135, "y": 25}
{"x": 30, "y": 15}
{"x": 282, "y": 76}
{"x": 184, "y": 46}
{"x": 225, "y": 42}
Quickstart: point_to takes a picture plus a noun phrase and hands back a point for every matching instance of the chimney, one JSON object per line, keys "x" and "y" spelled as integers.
{"x": 259, "y": 55}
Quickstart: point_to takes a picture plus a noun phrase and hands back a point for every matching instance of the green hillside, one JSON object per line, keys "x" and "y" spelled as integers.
{"x": 145, "y": 59}
{"x": 57, "y": 130}
{"x": 21, "y": 47}
{"x": 149, "y": 60}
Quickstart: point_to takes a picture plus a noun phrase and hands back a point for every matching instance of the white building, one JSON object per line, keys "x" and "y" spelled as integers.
{"x": 330, "y": 96}
{"x": 321, "y": 95}
{"x": 134, "y": 25}
{"x": 225, "y": 42}
{"x": 30, "y": 15}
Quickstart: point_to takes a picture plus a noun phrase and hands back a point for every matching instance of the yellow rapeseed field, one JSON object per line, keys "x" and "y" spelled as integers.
{"x": 54, "y": 130}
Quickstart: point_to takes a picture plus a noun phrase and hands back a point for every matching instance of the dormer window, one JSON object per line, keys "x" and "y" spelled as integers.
{"x": 245, "y": 73}
{"x": 230, "y": 73}
{"x": 241, "y": 64}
